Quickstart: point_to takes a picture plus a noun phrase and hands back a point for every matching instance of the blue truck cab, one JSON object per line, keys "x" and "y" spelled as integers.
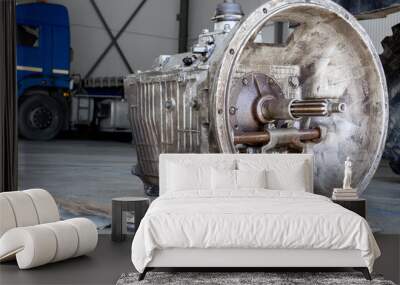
{"x": 47, "y": 102}
{"x": 43, "y": 47}
{"x": 43, "y": 69}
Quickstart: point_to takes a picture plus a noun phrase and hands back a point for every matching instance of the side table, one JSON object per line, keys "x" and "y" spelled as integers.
{"x": 138, "y": 205}
{"x": 357, "y": 206}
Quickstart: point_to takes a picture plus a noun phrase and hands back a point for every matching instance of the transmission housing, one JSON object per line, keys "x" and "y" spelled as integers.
{"x": 318, "y": 88}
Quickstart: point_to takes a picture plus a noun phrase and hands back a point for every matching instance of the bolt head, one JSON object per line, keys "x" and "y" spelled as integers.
{"x": 245, "y": 81}
{"x": 232, "y": 110}
{"x": 294, "y": 81}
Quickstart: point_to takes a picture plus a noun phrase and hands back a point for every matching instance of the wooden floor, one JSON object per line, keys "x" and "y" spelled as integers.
{"x": 104, "y": 266}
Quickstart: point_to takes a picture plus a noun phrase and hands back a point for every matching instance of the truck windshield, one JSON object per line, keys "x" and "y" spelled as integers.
{"x": 28, "y": 35}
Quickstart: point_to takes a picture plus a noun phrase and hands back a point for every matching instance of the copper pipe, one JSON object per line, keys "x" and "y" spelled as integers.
{"x": 310, "y": 134}
{"x": 258, "y": 138}
{"x": 251, "y": 138}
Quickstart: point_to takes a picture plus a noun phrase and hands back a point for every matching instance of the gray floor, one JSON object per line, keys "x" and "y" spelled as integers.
{"x": 110, "y": 260}
{"x": 84, "y": 175}
{"x": 104, "y": 266}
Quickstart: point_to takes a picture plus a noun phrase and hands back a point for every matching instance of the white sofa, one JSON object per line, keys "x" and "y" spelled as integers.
{"x": 31, "y": 231}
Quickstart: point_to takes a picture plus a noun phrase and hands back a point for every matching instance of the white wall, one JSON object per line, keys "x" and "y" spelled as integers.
{"x": 201, "y": 11}
{"x": 154, "y": 31}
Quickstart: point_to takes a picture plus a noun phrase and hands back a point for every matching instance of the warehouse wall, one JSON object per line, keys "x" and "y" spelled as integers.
{"x": 154, "y": 31}
{"x": 202, "y": 11}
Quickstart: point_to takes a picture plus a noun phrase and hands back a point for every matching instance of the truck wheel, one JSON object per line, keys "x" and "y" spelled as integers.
{"x": 40, "y": 117}
{"x": 391, "y": 63}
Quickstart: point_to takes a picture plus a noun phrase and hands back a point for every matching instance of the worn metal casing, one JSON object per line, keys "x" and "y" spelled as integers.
{"x": 159, "y": 128}
{"x": 176, "y": 108}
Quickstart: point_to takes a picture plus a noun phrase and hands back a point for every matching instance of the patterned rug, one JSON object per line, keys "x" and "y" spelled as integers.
{"x": 239, "y": 278}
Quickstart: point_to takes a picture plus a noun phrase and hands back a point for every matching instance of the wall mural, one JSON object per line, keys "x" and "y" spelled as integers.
{"x": 282, "y": 85}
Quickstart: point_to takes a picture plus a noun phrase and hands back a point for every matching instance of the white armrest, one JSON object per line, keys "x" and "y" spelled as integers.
{"x": 33, "y": 246}
{"x": 26, "y": 208}
{"x": 37, "y": 245}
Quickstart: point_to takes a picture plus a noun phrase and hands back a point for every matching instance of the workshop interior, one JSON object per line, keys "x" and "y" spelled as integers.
{"x": 199, "y": 142}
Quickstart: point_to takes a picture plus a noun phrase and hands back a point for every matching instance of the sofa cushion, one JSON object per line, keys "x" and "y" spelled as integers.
{"x": 32, "y": 246}
{"x": 87, "y": 235}
{"x": 27, "y": 208}
{"x": 45, "y": 206}
{"x": 23, "y": 208}
{"x": 67, "y": 240}
{"x": 41, "y": 244}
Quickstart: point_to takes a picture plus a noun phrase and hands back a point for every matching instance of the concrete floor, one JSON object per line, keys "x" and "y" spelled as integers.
{"x": 84, "y": 175}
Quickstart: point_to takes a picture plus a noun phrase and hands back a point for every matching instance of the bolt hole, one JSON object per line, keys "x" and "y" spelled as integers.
{"x": 232, "y": 51}
{"x": 220, "y": 111}
{"x": 265, "y": 11}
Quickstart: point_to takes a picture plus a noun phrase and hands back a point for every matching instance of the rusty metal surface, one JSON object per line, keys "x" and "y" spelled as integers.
{"x": 198, "y": 107}
{"x": 285, "y": 135}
